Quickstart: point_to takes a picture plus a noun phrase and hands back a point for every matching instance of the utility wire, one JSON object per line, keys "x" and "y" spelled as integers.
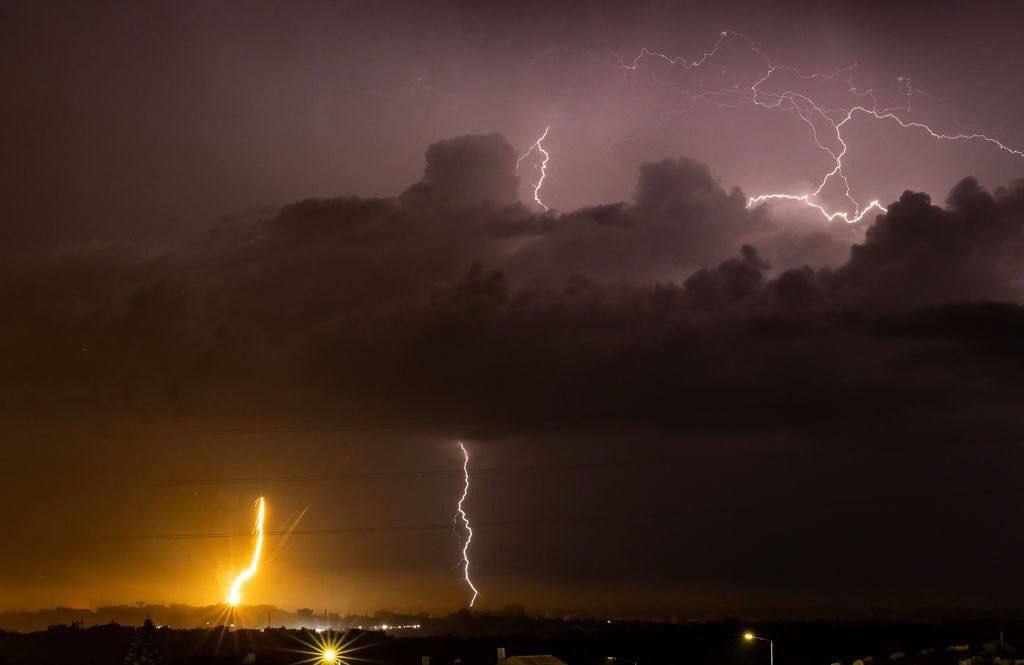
{"x": 367, "y": 529}
{"x": 383, "y": 475}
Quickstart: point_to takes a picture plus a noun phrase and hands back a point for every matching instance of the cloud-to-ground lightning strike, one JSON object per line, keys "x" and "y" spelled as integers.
{"x": 465, "y": 523}
{"x": 808, "y": 111}
{"x": 539, "y": 146}
{"x": 235, "y": 595}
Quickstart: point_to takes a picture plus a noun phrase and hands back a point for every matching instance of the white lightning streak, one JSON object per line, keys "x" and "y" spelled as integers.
{"x": 465, "y": 522}
{"x": 808, "y": 111}
{"x": 539, "y": 146}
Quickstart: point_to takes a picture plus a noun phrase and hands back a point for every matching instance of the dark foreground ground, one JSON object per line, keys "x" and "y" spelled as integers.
{"x": 577, "y": 643}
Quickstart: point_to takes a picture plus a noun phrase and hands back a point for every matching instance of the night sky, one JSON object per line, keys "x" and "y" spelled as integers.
{"x": 285, "y": 250}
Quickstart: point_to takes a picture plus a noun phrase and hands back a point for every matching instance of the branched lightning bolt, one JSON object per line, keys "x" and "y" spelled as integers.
{"x": 809, "y": 112}
{"x": 538, "y": 145}
{"x": 465, "y": 522}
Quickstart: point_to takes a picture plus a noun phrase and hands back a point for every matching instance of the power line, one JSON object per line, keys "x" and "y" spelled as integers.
{"x": 603, "y": 519}
{"x": 384, "y": 475}
{"x": 367, "y": 529}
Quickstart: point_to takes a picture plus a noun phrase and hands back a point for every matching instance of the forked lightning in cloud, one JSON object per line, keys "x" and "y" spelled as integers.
{"x": 538, "y": 145}
{"x": 465, "y": 523}
{"x": 809, "y": 111}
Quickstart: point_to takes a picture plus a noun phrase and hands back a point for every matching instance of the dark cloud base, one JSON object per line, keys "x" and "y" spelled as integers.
{"x": 840, "y": 404}
{"x": 454, "y": 304}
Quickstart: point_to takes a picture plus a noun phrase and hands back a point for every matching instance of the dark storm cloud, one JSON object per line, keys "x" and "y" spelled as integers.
{"x": 453, "y": 302}
{"x": 919, "y": 253}
{"x": 466, "y": 171}
{"x": 779, "y": 369}
{"x": 680, "y": 219}
{"x": 680, "y": 326}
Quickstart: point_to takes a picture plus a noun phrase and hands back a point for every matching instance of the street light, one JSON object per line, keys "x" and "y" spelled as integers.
{"x": 750, "y": 637}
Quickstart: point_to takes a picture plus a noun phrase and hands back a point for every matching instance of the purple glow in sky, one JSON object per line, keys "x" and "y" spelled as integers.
{"x": 148, "y": 120}
{"x": 297, "y": 250}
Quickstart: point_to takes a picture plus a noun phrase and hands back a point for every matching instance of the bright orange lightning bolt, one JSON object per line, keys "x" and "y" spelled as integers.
{"x": 465, "y": 522}
{"x": 235, "y": 595}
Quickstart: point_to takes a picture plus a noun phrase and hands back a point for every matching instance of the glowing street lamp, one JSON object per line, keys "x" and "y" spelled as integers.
{"x": 750, "y": 637}
{"x": 324, "y": 647}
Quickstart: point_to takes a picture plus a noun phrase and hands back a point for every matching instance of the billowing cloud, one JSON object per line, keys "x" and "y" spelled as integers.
{"x": 681, "y": 325}
{"x": 467, "y": 171}
{"x": 454, "y": 299}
